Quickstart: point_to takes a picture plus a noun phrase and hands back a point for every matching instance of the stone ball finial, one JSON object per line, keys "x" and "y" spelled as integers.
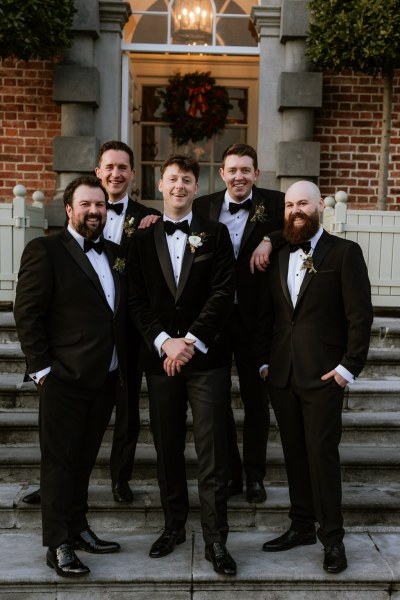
{"x": 19, "y": 191}
{"x": 329, "y": 202}
{"x": 38, "y": 198}
{"x": 341, "y": 196}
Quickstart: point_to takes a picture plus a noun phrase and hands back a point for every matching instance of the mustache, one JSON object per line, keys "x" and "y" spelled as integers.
{"x": 96, "y": 216}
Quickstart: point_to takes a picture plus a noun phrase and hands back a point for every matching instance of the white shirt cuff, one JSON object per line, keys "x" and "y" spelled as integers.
{"x": 349, "y": 377}
{"x": 158, "y": 342}
{"x": 198, "y": 343}
{"x": 38, "y": 376}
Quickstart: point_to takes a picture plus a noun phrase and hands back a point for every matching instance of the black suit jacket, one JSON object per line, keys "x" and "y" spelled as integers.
{"x": 331, "y": 322}
{"x": 202, "y": 302}
{"x": 62, "y": 315}
{"x": 273, "y": 203}
{"x": 137, "y": 211}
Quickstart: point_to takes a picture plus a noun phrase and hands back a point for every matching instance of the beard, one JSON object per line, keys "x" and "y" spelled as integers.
{"x": 89, "y": 233}
{"x": 296, "y": 234}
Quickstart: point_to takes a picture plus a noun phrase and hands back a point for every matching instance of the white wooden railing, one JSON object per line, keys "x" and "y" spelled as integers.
{"x": 378, "y": 233}
{"x": 20, "y": 222}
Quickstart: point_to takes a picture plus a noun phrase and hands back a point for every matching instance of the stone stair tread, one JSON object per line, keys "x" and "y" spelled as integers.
{"x": 390, "y": 354}
{"x": 373, "y": 570}
{"x": 11, "y": 350}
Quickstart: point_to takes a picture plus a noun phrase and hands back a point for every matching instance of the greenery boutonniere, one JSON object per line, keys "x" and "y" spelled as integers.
{"x": 119, "y": 265}
{"x": 308, "y": 264}
{"x": 129, "y": 226}
{"x": 195, "y": 240}
{"x": 259, "y": 214}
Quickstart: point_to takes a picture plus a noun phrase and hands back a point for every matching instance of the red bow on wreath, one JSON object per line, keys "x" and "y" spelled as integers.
{"x": 197, "y": 99}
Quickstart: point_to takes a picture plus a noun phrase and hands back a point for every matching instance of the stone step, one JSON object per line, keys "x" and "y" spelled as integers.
{"x": 381, "y": 394}
{"x": 360, "y": 464}
{"x": 385, "y": 332}
{"x": 373, "y": 572}
{"x": 8, "y": 332}
{"x": 382, "y": 362}
{"x": 20, "y": 426}
{"x": 373, "y": 506}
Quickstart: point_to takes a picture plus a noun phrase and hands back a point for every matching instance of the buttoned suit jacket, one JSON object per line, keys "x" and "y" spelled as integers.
{"x": 330, "y": 323}
{"x": 272, "y": 202}
{"x": 62, "y": 315}
{"x": 201, "y": 303}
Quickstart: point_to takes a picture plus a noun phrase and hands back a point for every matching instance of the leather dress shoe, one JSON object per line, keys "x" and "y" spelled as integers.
{"x": 335, "y": 558}
{"x": 255, "y": 491}
{"x": 122, "y": 492}
{"x": 88, "y": 541}
{"x": 219, "y": 556}
{"x": 66, "y": 563}
{"x": 290, "y": 539}
{"x": 166, "y": 543}
{"x": 235, "y": 487}
{"x": 33, "y": 497}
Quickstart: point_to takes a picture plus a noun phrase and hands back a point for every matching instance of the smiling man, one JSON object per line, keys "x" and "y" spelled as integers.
{"x": 180, "y": 276}
{"x": 70, "y": 312}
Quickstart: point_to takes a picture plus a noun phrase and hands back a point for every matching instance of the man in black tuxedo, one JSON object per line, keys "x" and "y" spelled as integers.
{"x": 251, "y": 214}
{"x": 116, "y": 171}
{"x": 180, "y": 276}
{"x": 315, "y": 321}
{"x": 70, "y": 312}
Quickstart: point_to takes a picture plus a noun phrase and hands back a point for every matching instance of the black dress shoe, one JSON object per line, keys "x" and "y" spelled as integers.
{"x": 255, "y": 491}
{"x": 290, "y": 539}
{"x": 335, "y": 559}
{"x": 88, "y": 541}
{"x": 166, "y": 542}
{"x": 235, "y": 487}
{"x": 33, "y": 497}
{"x": 122, "y": 492}
{"x": 222, "y": 561}
{"x": 66, "y": 563}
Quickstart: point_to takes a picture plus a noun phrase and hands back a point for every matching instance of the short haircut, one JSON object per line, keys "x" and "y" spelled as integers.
{"x": 241, "y": 150}
{"x": 89, "y": 180}
{"x": 185, "y": 164}
{"x": 116, "y": 145}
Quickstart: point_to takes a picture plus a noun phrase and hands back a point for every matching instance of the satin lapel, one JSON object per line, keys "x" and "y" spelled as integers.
{"x": 249, "y": 227}
{"x": 195, "y": 227}
{"x": 216, "y": 206}
{"x": 130, "y": 212}
{"x": 283, "y": 272}
{"x": 83, "y": 262}
{"x": 163, "y": 256}
{"x": 117, "y": 281}
{"x": 322, "y": 247}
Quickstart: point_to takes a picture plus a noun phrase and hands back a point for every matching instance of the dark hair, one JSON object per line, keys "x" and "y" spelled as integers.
{"x": 89, "y": 180}
{"x": 241, "y": 150}
{"x": 116, "y": 145}
{"x": 185, "y": 163}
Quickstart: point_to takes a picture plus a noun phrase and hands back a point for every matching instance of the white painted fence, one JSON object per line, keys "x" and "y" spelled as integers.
{"x": 378, "y": 234}
{"x": 20, "y": 222}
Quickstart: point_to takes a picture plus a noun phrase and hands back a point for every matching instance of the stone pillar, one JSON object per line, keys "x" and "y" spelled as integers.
{"x": 292, "y": 153}
{"x": 81, "y": 85}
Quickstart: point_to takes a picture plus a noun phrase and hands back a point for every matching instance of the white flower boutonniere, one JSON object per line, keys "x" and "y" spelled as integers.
{"x": 259, "y": 214}
{"x": 308, "y": 264}
{"x": 119, "y": 265}
{"x": 129, "y": 226}
{"x": 195, "y": 240}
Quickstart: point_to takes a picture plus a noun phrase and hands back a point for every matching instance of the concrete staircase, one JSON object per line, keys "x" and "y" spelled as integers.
{"x": 371, "y": 503}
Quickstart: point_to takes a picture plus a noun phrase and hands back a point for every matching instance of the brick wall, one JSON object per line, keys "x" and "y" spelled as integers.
{"x": 29, "y": 119}
{"x": 349, "y": 130}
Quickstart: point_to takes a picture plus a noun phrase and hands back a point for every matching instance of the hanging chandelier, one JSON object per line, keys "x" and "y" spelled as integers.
{"x": 192, "y": 22}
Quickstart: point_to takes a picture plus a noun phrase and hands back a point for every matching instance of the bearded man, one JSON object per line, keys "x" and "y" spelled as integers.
{"x": 315, "y": 319}
{"x": 71, "y": 317}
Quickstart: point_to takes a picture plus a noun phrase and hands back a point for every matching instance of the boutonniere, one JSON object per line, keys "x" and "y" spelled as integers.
{"x": 308, "y": 264}
{"x": 195, "y": 240}
{"x": 259, "y": 214}
{"x": 119, "y": 265}
{"x": 129, "y": 226}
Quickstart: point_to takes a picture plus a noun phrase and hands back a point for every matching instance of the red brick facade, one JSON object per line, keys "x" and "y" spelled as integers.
{"x": 348, "y": 128}
{"x": 29, "y": 119}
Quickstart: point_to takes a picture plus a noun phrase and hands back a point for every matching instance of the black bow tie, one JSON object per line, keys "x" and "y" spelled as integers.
{"x": 118, "y": 208}
{"x": 234, "y": 207}
{"x": 90, "y": 245}
{"x": 305, "y": 246}
{"x": 170, "y": 227}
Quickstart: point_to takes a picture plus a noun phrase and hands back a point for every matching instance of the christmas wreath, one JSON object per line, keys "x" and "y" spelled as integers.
{"x": 195, "y": 107}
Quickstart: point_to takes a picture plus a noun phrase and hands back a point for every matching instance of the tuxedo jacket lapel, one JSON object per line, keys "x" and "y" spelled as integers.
{"x": 163, "y": 256}
{"x": 115, "y": 276}
{"x": 323, "y": 245}
{"x": 216, "y": 206}
{"x": 250, "y": 225}
{"x": 187, "y": 259}
{"x": 283, "y": 273}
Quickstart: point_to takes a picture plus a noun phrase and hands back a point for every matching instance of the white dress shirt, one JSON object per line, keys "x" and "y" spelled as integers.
{"x": 235, "y": 223}
{"x": 177, "y": 246}
{"x": 115, "y": 223}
